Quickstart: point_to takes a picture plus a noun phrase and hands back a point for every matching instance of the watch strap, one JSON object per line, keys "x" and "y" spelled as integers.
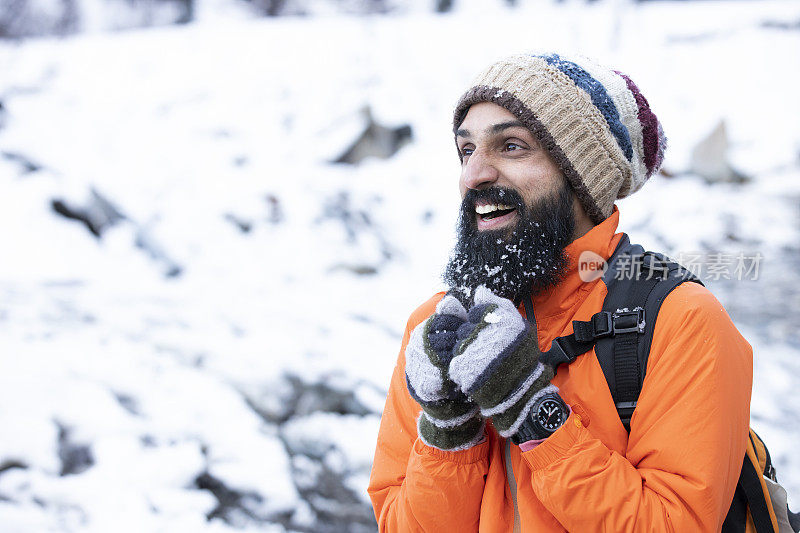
{"x": 526, "y": 431}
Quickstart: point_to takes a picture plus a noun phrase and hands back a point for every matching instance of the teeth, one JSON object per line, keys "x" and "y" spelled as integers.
{"x": 485, "y": 209}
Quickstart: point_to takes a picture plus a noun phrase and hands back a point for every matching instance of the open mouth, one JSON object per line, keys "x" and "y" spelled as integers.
{"x": 495, "y": 208}
{"x": 490, "y": 216}
{"x": 488, "y": 212}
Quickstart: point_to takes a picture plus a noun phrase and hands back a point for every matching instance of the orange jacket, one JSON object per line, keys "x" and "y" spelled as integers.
{"x": 676, "y": 471}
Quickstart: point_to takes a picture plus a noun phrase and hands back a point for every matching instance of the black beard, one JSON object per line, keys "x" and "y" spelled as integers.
{"x": 512, "y": 262}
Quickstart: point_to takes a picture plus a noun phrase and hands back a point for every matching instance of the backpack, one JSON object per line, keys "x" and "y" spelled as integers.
{"x": 621, "y": 333}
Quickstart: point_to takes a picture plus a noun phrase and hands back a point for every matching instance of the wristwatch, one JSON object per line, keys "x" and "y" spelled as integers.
{"x": 547, "y": 415}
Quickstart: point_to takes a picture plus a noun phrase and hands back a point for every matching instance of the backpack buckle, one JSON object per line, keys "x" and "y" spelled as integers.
{"x": 602, "y": 325}
{"x": 625, "y": 412}
{"x": 628, "y": 322}
{"x": 556, "y": 355}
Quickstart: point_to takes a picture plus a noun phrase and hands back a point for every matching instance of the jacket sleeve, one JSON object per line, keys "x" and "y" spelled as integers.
{"x": 688, "y": 433}
{"x": 414, "y": 487}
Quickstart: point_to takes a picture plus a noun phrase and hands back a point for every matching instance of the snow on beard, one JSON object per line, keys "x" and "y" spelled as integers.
{"x": 528, "y": 257}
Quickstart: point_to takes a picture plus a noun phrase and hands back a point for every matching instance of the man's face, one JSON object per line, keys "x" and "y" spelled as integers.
{"x": 497, "y": 150}
{"x": 517, "y": 211}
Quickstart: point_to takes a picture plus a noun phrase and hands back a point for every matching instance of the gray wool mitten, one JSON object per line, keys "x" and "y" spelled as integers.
{"x": 449, "y": 420}
{"x": 496, "y": 362}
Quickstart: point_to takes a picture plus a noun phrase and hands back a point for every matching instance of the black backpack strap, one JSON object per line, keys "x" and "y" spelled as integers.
{"x": 736, "y": 519}
{"x": 638, "y": 282}
{"x": 529, "y": 312}
{"x": 750, "y": 486}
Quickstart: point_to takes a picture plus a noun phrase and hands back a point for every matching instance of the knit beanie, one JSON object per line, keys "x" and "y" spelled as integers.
{"x": 594, "y": 122}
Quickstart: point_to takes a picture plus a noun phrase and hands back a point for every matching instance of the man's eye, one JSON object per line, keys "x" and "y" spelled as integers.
{"x": 512, "y": 146}
{"x": 466, "y": 151}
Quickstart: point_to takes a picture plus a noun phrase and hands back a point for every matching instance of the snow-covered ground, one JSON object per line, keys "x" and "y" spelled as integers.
{"x": 218, "y": 358}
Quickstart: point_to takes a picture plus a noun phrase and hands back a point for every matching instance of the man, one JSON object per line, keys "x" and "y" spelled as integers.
{"x": 546, "y": 147}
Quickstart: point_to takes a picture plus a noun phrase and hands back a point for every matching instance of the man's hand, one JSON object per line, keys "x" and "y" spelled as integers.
{"x": 449, "y": 421}
{"x": 496, "y": 362}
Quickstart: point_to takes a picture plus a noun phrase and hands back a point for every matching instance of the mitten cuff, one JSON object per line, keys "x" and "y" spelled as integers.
{"x": 477, "y": 453}
{"x": 452, "y": 437}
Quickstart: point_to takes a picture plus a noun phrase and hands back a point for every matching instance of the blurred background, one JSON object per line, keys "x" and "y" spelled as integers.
{"x": 217, "y": 216}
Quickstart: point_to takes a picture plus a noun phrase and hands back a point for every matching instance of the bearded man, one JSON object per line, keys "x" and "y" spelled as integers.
{"x": 479, "y": 431}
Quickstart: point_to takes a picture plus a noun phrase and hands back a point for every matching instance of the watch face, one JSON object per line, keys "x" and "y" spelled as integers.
{"x": 551, "y": 414}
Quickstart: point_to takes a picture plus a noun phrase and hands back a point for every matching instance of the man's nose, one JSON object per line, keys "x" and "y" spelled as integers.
{"x": 479, "y": 171}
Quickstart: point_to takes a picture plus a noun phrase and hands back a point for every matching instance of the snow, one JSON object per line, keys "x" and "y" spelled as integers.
{"x": 492, "y": 318}
{"x": 264, "y": 363}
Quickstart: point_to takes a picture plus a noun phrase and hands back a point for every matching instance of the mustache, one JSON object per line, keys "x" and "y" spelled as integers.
{"x": 499, "y": 195}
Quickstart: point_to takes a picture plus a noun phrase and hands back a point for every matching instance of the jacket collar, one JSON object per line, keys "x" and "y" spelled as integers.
{"x": 601, "y": 240}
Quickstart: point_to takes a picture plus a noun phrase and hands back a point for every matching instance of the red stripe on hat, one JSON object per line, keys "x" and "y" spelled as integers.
{"x": 650, "y": 128}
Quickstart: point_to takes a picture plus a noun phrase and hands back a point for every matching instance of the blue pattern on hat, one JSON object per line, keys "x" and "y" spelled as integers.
{"x": 600, "y": 99}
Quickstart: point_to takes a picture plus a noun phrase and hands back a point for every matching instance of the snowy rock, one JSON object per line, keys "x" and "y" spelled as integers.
{"x": 97, "y": 214}
{"x": 26, "y": 164}
{"x": 375, "y": 140}
{"x": 710, "y": 158}
{"x": 75, "y": 457}
{"x": 331, "y": 465}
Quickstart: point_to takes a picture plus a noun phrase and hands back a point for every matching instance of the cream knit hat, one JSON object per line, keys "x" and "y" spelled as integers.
{"x": 593, "y": 121}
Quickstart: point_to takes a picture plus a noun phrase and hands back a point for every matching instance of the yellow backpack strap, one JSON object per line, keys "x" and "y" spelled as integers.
{"x": 751, "y": 480}
{"x": 764, "y": 461}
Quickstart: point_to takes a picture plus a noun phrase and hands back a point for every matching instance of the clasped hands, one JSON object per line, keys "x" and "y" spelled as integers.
{"x": 463, "y": 366}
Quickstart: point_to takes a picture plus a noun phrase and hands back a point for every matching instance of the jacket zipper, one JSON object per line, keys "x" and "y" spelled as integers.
{"x": 512, "y": 485}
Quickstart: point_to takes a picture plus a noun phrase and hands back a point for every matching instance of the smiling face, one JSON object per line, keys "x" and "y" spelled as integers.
{"x": 517, "y": 212}
{"x": 498, "y": 151}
